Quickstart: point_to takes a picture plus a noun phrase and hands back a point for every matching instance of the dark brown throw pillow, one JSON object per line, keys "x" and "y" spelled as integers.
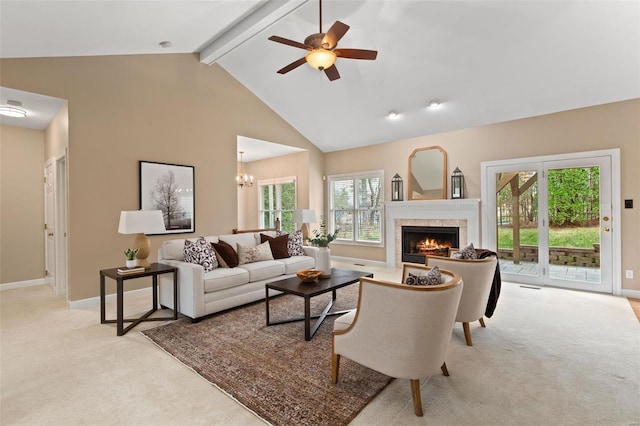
{"x": 278, "y": 245}
{"x": 227, "y": 252}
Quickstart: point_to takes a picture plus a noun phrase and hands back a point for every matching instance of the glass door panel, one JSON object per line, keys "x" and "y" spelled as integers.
{"x": 579, "y": 223}
{"x": 517, "y": 222}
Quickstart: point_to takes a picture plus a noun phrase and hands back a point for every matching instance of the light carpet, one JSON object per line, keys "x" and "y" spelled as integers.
{"x": 547, "y": 356}
{"x": 272, "y": 370}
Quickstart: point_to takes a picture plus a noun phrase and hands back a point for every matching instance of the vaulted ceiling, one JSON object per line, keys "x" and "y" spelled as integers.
{"x": 486, "y": 61}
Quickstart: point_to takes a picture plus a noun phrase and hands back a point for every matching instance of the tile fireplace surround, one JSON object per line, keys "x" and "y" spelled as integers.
{"x": 464, "y": 214}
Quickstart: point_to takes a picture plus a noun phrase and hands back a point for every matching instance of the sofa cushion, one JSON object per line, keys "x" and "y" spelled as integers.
{"x": 173, "y": 250}
{"x": 254, "y": 254}
{"x": 222, "y": 278}
{"x": 294, "y": 264}
{"x": 226, "y": 252}
{"x": 279, "y": 245}
{"x": 294, "y": 245}
{"x": 248, "y": 239}
{"x": 263, "y": 270}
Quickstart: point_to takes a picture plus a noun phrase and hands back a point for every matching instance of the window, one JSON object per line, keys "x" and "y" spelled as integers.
{"x": 278, "y": 200}
{"x": 356, "y": 207}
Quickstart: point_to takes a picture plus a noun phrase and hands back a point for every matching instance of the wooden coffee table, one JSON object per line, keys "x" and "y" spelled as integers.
{"x": 339, "y": 278}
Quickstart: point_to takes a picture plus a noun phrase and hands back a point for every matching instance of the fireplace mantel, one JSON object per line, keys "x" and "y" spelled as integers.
{"x": 442, "y": 210}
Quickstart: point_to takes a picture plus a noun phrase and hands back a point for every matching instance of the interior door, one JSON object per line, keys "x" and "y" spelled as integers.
{"x": 49, "y": 224}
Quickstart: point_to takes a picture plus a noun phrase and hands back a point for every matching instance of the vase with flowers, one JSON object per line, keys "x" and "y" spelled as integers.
{"x": 321, "y": 239}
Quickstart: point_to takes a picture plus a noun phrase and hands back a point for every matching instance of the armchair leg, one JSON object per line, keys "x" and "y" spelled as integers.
{"x": 444, "y": 369}
{"x": 482, "y": 322}
{"x": 467, "y": 333}
{"x": 417, "y": 400}
{"x": 335, "y": 367}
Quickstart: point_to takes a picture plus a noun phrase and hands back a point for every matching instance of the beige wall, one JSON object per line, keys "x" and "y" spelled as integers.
{"x": 122, "y": 109}
{"x": 57, "y": 134}
{"x": 21, "y": 204}
{"x": 171, "y": 108}
{"x": 296, "y": 165}
{"x": 615, "y": 125}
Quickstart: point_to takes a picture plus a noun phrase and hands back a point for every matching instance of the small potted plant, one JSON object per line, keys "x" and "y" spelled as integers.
{"x": 321, "y": 238}
{"x": 131, "y": 257}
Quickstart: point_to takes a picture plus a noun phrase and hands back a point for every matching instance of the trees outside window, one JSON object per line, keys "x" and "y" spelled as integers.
{"x": 356, "y": 207}
{"x": 278, "y": 200}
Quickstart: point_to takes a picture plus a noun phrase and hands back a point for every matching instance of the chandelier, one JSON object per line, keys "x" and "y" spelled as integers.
{"x": 242, "y": 178}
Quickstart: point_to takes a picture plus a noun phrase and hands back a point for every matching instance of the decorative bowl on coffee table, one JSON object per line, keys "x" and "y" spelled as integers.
{"x": 309, "y": 275}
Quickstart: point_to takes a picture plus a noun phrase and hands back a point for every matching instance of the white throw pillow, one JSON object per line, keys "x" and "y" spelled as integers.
{"x": 254, "y": 254}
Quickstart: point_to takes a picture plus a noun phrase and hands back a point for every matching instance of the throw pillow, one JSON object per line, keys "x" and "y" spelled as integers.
{"x": 226, "y": 252}
{"x": 254, "y": 254}
{"x": 221, "y": 262}
{"x": 200, "y": 252}
{"x": 467, "y": 252}
{"x": 294, "y": 245}
{"x": 433, "y": 277}
{"x": 278, "y": 245}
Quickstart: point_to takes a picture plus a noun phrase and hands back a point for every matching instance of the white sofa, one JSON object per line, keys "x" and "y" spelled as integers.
{"x": 201, "y": 294}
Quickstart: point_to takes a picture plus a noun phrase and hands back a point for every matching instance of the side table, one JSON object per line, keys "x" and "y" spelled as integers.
{"x": 153, "y": 271}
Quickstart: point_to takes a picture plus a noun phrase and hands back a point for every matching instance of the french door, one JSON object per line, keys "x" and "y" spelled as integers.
{"x": 551, "y": 219}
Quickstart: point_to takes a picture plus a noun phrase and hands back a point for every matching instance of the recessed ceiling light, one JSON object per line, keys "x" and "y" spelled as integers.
{"x": 165, "y": 44}
{"x": 11, "y": 109}
{"x": 434, "y": 104}
{"x": 393, "y": 115}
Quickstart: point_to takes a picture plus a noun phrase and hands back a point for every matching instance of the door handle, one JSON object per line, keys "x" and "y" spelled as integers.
{"x": 605, "y": 229}
{"x": 50, "y": 234}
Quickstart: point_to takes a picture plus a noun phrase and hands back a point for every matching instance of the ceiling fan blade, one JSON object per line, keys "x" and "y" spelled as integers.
{"x": 356, "y": 53}
{"x": 292, "y": 65}
{"x": 332, "y": 72}
{"x": 288, "y": 42}
{"x": 335, "y": 33}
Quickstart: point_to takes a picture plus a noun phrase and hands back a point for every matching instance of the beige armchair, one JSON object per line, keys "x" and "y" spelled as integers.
{"x": 399, "y": 330}
{"x": 477, "y": 275}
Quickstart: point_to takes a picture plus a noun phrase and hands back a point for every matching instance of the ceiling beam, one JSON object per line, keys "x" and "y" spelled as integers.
{"x": 256, "y": 22}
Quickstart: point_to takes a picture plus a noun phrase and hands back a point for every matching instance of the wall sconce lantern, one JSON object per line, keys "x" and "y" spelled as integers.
{"x": 396, "y": 188}
{"x": 457, "y": 184}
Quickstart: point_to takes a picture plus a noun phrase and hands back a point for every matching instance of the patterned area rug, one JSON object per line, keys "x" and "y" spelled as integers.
{"x": 272, "y": 370}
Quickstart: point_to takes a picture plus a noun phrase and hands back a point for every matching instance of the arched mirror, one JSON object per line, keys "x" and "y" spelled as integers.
{"x": 427, "y": 174}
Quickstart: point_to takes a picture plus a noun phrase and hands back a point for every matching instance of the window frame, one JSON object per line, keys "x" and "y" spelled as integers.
{"x": 330, "y": 222}
{"x": 278, "y": 208}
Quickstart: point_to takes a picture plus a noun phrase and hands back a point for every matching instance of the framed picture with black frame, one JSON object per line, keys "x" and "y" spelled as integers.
{"x": 169, "y": 188}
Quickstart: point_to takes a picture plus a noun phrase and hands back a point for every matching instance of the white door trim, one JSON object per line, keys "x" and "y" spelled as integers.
{"x": 489, "y": 216}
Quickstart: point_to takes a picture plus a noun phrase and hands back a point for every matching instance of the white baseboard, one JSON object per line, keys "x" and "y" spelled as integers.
{"x": 635, "y": 294}
{"x": 21, "y": 284}
{"x": 357, "y": 261}
{"x": 95, "y": 301}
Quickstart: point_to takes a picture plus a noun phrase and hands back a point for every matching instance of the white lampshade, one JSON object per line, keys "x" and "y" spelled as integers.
{"x": 304, "y": 216}
{"x": 141, "y": 222}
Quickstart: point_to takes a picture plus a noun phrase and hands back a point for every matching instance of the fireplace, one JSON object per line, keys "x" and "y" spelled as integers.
{"x": 462, "y": 213}
{"x": 419, "y": 241}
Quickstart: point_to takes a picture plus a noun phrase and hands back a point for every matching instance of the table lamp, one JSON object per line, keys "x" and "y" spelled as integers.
{"x": 141, "y": 222}
{"x": 302, "y": 217}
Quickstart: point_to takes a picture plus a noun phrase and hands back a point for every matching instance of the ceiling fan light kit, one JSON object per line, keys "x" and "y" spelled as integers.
{"x": 320, "y": 59}
{"x": 323, "y": 50}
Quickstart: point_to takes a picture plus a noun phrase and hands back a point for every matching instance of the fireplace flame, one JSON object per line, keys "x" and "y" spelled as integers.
{"x": 429, "y": 245}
